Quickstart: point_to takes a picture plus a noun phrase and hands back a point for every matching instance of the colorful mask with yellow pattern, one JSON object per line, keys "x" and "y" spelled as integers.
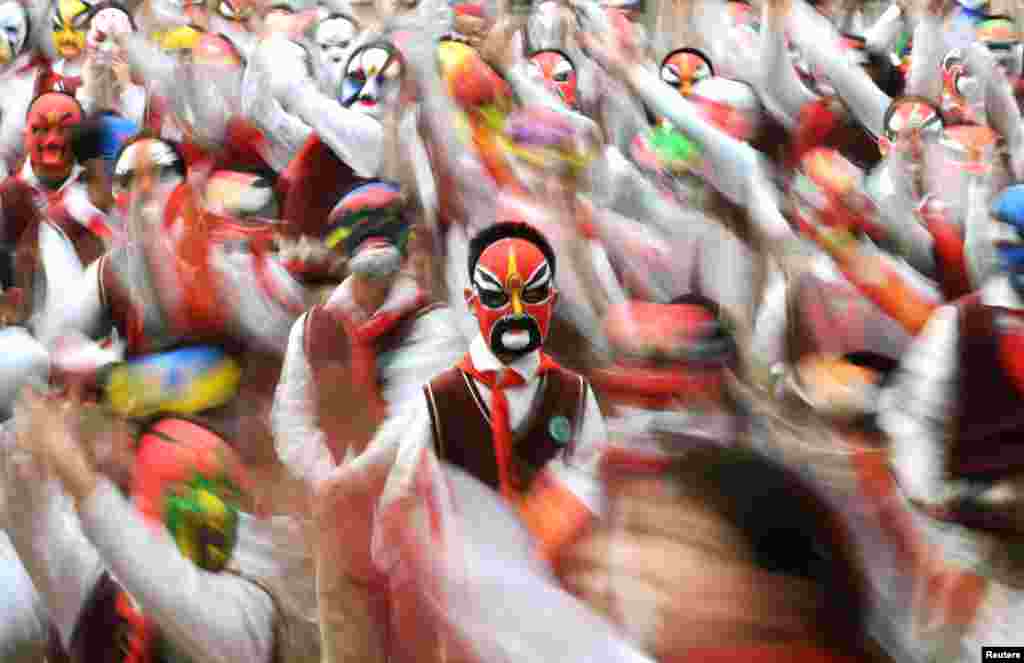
{"x": 203, "y": 519}
{"x": 70, "y": 20}
{"x": 190, "y": 481}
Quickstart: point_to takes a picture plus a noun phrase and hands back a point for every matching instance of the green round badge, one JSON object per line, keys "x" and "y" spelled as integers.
{"x": 559, "y": 429}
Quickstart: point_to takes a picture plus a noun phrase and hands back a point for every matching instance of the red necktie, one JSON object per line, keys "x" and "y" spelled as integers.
{"x": 364, "y": 337}
{"x": 500, "y": 428}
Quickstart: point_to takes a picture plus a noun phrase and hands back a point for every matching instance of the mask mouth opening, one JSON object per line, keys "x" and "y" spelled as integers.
{"x": 515, "y": 335}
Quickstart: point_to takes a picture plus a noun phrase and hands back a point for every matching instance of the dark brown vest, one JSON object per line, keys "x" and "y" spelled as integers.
{"x": 327, "y": 342}
{"x": 988, "y": 437}
{"x": 462, "y": 431}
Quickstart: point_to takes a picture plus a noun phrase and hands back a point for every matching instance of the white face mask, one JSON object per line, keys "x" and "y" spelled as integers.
{"x": 376, "y": 263}
{"x": 164, "y": 163}
{"x": 13, "y": 31}
{"x": 334, "y": 38}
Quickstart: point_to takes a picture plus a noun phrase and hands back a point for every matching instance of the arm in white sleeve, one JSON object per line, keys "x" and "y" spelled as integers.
{"x": 532, "y": 93}
{"x": 882, "y": 36}
{"x": 149, "y": 62}
{"x": 733, "y": 168}
{"x": 909, "y": 239}
{"x": 133, "y": 103}
{"x": 47, "y": 535}
{"x": 300, "y": 443}
{"x": 916, "y": 411}
{"x": 355, "y": 138}
{"x": 771, "y": 324}
{"x": 262, "y": 309}
{"x": 1001, "y": 107}
{"x": 18, "y": 94}
{"x": 819, "y": 41}
{"x": 435, "y": 344}
{"x": 979, "y": 250}
{"x": 779, "y": 85}
{"x": 925, "y": 77}
{"x": 76, "y": 306}
{"x": 215, "y": 617}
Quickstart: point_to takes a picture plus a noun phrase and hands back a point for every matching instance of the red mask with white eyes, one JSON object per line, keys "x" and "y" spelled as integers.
{"x": 513, "y": 296}
{"x": 684, "y": 68}
{"x": 557, "y": 72}
{"x": 48, "y": 134}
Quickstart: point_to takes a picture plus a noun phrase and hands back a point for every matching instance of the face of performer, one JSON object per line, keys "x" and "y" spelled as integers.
{"x": 48, "y": 134}
{"x": 102, "y": 27}
{"x": 911, "y": 128}
{"x": 191, "y": 487}
{"x": 373, "y": 79}
{"x": 149, "y": 168}
{"x": 1000, "y": 36}
{"x": 558, "y": 74}
{"x": 69, "y": 23}
{"x": 13, "y": 31}
{"x": 513, "y": 296}
{"x": 333, "y": 37}
{"x": 683, "y": 69}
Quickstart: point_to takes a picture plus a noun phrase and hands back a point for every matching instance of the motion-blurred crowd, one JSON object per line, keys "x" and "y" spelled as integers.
{"x": 420, "y": 331}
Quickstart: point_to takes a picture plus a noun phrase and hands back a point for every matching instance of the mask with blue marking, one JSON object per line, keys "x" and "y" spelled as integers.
{"x": 1008, "y": 236}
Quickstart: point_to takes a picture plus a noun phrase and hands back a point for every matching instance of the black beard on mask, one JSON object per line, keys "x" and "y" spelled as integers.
{"x": 515, "y": 323}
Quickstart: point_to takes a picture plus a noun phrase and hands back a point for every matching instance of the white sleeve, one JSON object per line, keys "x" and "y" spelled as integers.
{"x": 74, "y": 302}
{"x": 771, "y": 324}
{"x": 733, "y": 168}
{"x": 580, "y": 471}
{"x": 925, "y": 77}
{"x": 47, "y": 535}
{"x": 24, "y": 622}
{"x": 779, "y": 86}
{"x": 215, "y": 617}
{"x": 356, "y": 139}
{"x": 133, "y": 104}
{"x": 300, "y": 443}
{"x": 820, "y": 43}
{"x": 434, "y": 344}
{"x": 915, "y": 412}
{"x": 881, "y": 37}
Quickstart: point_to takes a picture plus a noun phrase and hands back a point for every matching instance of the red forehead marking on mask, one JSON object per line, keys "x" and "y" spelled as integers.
{"x": 512, "y": 261}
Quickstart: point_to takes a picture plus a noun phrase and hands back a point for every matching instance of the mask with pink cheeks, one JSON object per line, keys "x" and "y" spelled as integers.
{"x": 107, "y": 21}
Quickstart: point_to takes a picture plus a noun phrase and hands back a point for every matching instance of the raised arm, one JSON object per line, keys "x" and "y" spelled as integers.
{"x": 779, "y": 85}
{"x": 217, "y": 617}
{"x": 819, "y": 41}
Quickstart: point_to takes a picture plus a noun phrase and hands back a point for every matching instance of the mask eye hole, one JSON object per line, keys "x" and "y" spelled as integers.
{"x": 492, "y": 299}
{"x": 669, "y": 75}
{"x": 536, "y": 295}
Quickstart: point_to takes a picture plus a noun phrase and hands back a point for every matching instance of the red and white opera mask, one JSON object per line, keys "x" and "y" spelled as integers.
{"x": 51, "y": 118}
{"x": 513, "y": 296}
{"x": 557, "y": 72}
{"x": 685, "y": 67}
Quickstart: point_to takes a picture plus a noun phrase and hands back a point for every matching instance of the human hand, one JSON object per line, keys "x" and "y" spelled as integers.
{"x": 47, "y": 429}
{"x": 499, "y": 46}
{"x": 616, "y": 54}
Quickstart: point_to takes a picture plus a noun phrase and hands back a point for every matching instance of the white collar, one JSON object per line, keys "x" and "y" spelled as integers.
{"x": 484, "y": 360}
{"x": 30, "y": 177}
{"x": 998, "y": 292}
{"x": 402, "y": 292}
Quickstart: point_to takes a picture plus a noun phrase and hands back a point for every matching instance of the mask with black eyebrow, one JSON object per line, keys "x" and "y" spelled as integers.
{"x": 513, "y": 296}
